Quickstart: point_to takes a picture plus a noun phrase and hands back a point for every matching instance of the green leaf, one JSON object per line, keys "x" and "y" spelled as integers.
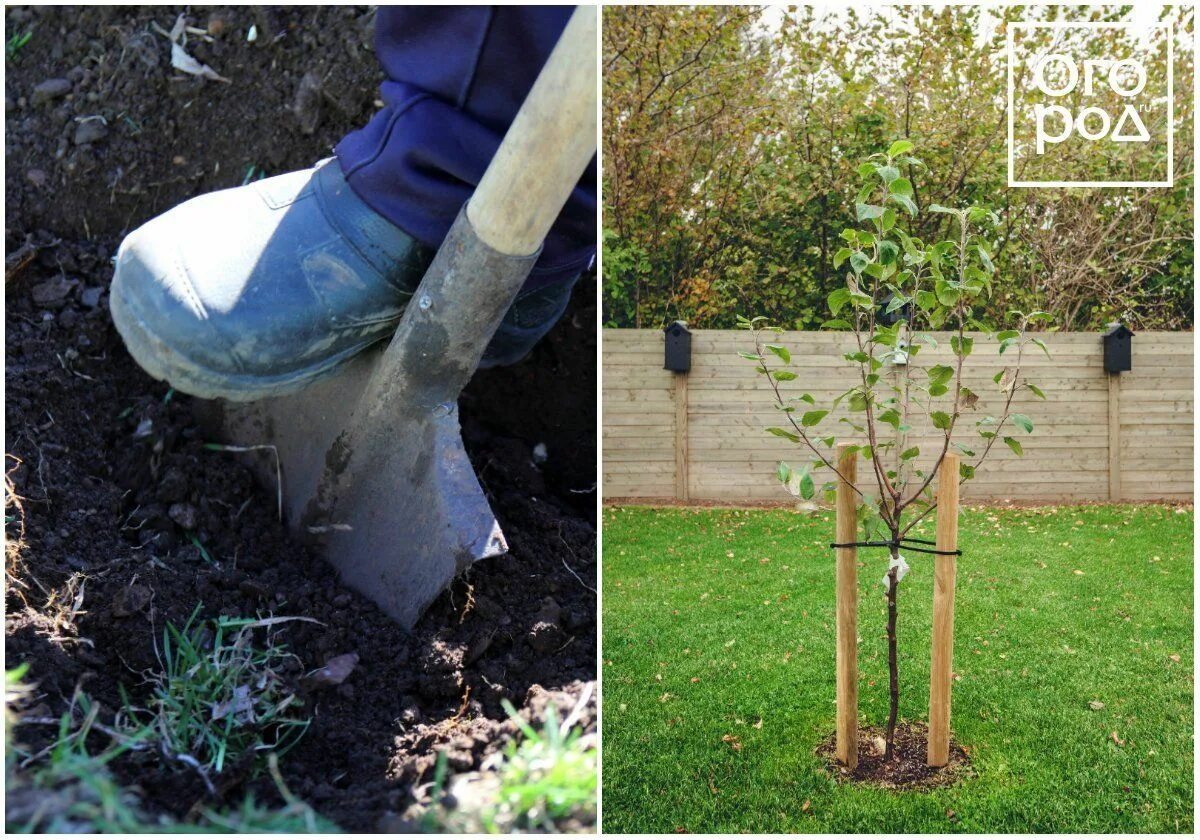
{"x": 784, "y": 375}
{"x": 837, "y": 324}
{"x": 947, "y": 295}
{"x": 966, "y": 471}
{"x": 782, "y": 352}
{"x": 1037, "y": 392}
{"x": 962, "y": 346}
{"x": 784, "y": 472}
{"x": 806, "y": 486}
{"x": 837, "y": 299}
{"x": 938, "y": 208}
{"x": 940, "y": 373}
{"x": 751, "y": 356}
{"x": 1041, "y": 344}
{"x": 904, "y": 201}
{"x": 1023, "y": 422}
{"x": 857, "y": 356}
{"x": 941, "y": 420}
{"x": 1006, "y": 343}
{"x": 1014, "y": 445}
{"x": 859, "y": 262}
{"x": 899, "y": 148}
{"x": 888, "y": 173}
{"x": 910, "y": 453}
{"x": 901, "y": 186}
{"x": 840, "y": 257}
{"x": 867, "y": 211}
{"x": 807, "y": 398}
{"x": 812, "y": 418}
{"x": 1004, "y": 335}
{"x": 891, "y": 417}
{"x": 784, "y": 433}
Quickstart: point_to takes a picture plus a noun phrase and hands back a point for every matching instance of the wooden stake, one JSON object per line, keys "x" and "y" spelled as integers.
{"x": 945, "y": 567}
{"x": 847, "y": 609}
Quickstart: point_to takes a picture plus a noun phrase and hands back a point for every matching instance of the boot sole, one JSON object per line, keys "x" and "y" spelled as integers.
{"x": 163, "y": 362}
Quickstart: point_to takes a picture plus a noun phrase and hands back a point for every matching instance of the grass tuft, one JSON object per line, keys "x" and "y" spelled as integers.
{"x": 221, "y": 696}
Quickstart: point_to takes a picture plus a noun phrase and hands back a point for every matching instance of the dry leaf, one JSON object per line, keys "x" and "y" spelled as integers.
{"x": 335, "y": 672}
{"x": 180, "y": 59}
{"x": 733, "y": 741}
{"x": 807, "y": 806}
{"x": 1095, "y": 705}
{"x": 758, "y": 723}
{"x": 1116, "y": 740}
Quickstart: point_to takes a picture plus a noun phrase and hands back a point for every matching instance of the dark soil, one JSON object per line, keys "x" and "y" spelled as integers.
{"x": 123, "y": 508}
{"x": 907, "y": 770}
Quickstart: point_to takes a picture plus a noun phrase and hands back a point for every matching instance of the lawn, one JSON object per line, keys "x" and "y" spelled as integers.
{"x": 718, "y": 634}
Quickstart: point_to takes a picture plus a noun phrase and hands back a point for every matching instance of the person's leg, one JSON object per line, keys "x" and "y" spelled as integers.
{"x": 446, "y": 108}
{"x": 259, "y": 290}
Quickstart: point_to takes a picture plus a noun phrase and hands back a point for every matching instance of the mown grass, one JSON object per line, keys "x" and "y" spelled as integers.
{"x": 718, "y": 625}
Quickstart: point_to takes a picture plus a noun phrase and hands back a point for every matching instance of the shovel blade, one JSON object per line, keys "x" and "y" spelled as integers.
{"x": 412, "y": 518}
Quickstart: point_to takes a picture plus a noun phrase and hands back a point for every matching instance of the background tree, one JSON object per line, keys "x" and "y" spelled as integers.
{"x": 732, "y": 136}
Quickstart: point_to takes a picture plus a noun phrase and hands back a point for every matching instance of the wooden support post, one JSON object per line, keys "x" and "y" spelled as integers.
{"x": 1114, "y": 437}
{"x": 945, "y": 567}
{"x": 847, "y": 609}
{"x": 681, "y": 437}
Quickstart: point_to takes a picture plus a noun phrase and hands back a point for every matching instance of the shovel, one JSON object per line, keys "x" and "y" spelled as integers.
{"x": 370, "y": 463}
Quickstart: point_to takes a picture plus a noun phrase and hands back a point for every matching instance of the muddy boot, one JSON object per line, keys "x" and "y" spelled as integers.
{"x": 261, "y": 290}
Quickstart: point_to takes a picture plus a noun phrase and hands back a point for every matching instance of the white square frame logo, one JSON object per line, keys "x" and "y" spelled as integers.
{"x": 1092, "y": 25}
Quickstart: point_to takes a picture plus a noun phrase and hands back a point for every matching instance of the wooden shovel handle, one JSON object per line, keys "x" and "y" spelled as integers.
{"x": 546, "y": 149}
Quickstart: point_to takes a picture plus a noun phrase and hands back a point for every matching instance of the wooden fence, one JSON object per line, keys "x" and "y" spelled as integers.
{"x": 700, "y": 436}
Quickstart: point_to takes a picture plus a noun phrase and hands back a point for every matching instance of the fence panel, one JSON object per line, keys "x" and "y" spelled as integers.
{"x": 1094, "y": 438}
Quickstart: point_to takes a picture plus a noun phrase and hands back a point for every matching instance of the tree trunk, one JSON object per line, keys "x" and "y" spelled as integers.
{"x": 893, "y": 666}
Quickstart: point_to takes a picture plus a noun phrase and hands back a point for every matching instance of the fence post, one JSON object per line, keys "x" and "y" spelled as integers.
{"x": 682, "y": 493}
{"x": 1114, "y": 437}
{"x": 847, "y": 609}
{"x": 945, "y": 568}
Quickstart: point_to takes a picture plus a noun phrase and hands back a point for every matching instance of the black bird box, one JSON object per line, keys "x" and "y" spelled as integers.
{"x": 678, "y": 349}
{"x": 1118, "y": 348}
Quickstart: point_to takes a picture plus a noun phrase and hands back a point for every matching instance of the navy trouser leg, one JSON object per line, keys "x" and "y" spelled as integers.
{"x": 456, "y": 77}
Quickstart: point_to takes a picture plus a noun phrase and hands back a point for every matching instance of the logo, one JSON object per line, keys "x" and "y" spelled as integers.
{"x": 1090, "y": 105}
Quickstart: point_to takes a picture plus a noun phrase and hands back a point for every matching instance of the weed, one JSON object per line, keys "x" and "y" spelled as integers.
{"x": 545, "y": 781}
{"x": 253, "y": 173}
{"x": 16, "y": 43}
{"x": 548, "y": 778}
{"x": 221, "y": 698}
{"x": 71, "y": 790}
{"x": 67, "y": 788}
{"x": 296, "y": 817}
